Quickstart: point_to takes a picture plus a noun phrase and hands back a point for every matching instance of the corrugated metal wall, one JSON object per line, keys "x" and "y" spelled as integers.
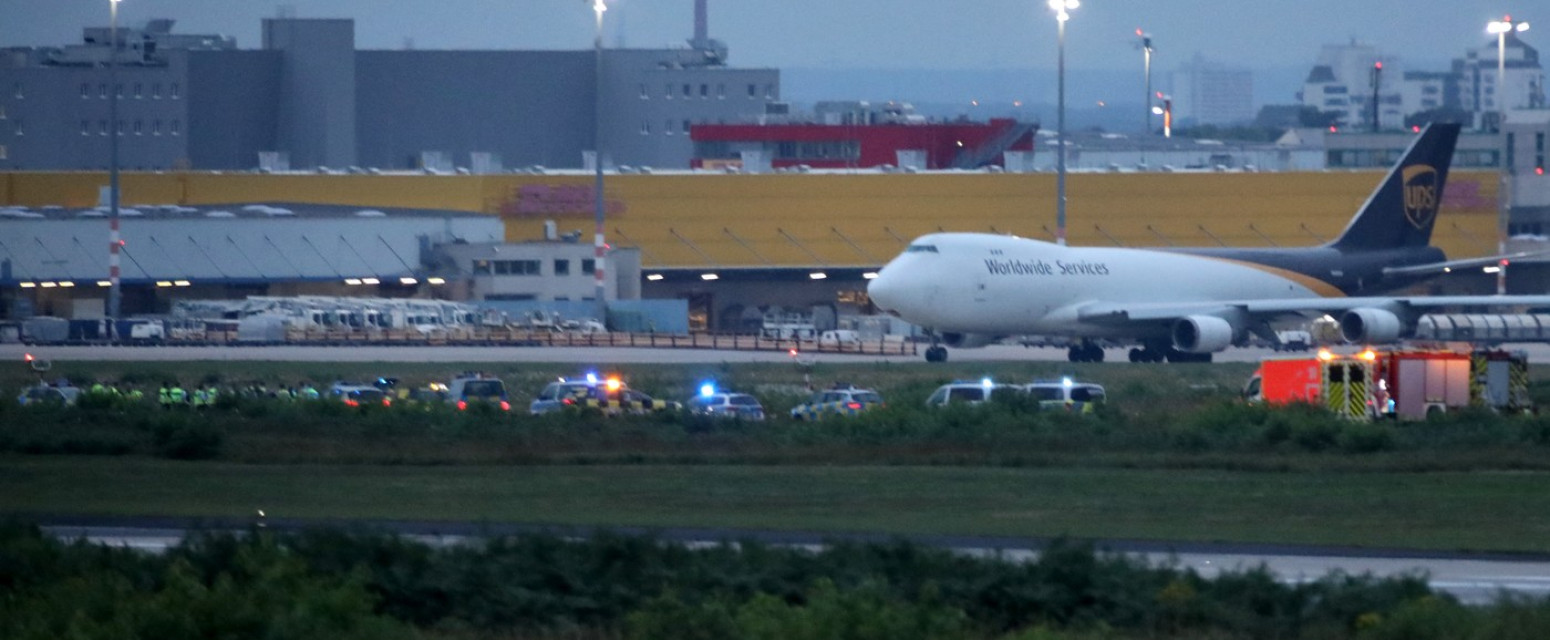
{"x": 814, "y": 219}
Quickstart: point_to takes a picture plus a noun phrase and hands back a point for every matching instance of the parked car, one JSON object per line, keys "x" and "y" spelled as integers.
{"x": 725, "y": 404}
{"x": 968, "y": 392}
{"x": 477, "y": 388}
{"x": 49, "y": 394}
{"x": 1080, "y": 397}
{"x": 841, "y": 400}
{"x": 609, "y": 395}
{"x": 840, "y": 339}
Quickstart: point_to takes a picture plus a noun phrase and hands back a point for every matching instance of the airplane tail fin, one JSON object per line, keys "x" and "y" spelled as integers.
{"x": 1403, "y": 209}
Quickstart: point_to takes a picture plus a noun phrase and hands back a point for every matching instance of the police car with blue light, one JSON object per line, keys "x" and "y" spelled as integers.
{"x": 725, "y": 404}
{"x": 609, "y": 395}
{"x": 1066, "y": 393}
{"x": 969, "y": 392}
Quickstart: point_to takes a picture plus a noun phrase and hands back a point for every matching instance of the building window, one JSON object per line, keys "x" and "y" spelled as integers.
{"x": 102, "y": 90}
{"x": 1539, "y": 151}
{"x": 704, "y": 91}
{"x": 589, "y": 266}
{"x": 645, "y": 127}
{"x": 667, "y": 127}
{"x": 481, "y": 267}
{"x": 118, "y": 90}
{"x": 721, "y": 91}
{"x": 18, "y": 126}
{"x": 156, "y": 127}
{"x": 139, "y": 91}
{"x": 139, "y": 131}
{"x": 174, "y": 128}
{"x": 688, "y": 90}
{"x": 753, "y": 91}
{"x": 85, "y": 127}
{"x": 102, "y": 127}
{"x": 4, "y": 153}
{"x": 85, "y": 90}
{"x": 156, "y": 91}
{"x": 686, "y": 126}
{"x": 20, "y": 93}
{"x": 769, "y": 92}
{"x": 667, "y": 91}
{"x": 174, "y": 91}
{"x": 1512, "y": 152}
{"x": 561, "y": 267}
{"x": 643, "y": 95}
{"x": 118, "y": 127}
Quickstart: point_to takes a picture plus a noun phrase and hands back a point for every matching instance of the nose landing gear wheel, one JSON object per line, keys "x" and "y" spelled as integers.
{"x": 1085, "y": 352}
{"x": 936, "y": 353}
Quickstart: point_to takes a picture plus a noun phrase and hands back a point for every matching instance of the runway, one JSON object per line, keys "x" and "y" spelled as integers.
{"x": 619, "y": 355}
{"x": 1473, "y": 579}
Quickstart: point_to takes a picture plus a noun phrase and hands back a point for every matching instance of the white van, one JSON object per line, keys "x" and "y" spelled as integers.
{"x": 840, "y": 339}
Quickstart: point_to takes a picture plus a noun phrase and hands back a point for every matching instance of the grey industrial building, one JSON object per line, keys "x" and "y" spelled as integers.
{"x": 308, "y": 98}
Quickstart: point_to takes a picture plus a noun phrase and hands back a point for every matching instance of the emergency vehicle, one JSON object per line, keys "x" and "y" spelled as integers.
{"x": 1409, "y": 384}
{"x": 609, "y": 395}
{"x": 475, "y": 387}
{"x": 840, "y": 400}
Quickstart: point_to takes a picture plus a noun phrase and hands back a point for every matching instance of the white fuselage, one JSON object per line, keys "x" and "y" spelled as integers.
{"x": 1004, "y": 285}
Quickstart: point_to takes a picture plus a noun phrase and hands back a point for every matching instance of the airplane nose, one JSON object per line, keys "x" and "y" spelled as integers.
{"x": 884, "y": 291}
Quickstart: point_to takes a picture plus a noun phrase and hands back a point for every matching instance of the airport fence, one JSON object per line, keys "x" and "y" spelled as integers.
{"x": 529, "y": 337}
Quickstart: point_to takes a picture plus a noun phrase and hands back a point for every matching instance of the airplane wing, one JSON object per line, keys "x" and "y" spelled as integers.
{"x": 1444, "y": 267}
{"x": 1117, "y": 313}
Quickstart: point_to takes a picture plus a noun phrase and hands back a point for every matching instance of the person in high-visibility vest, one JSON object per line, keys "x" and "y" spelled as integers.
{"x": 164, "y": 397}
{"x": 179, "y": 396}
{"x": 201, "y": 397}
{"x": 212, "y": 395}
{"x": 309, "y": 392}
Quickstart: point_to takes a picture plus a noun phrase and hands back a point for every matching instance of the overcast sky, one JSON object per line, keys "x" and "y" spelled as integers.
{"x": 941, "y": 34}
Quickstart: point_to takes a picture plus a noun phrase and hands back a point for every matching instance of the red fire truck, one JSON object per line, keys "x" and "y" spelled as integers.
{"x": 1405, "y": 384}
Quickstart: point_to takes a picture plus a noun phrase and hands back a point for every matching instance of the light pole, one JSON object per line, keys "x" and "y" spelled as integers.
{"x": 115, "y": 291}
{"x": 1503, "y": 188}
{"x": 1062, "y": 10}
{"x": 599, "y": 248}
{"x": 1146, "y": 102}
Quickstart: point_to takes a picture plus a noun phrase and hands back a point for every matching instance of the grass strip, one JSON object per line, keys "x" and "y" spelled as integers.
{"x": 1494, "y": 511}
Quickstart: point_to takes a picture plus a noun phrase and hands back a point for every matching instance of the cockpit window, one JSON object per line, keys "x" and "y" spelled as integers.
{"x": 921, "y": 248}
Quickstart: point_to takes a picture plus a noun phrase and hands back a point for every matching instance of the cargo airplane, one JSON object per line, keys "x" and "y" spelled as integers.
{"x": 1182, "y": 305}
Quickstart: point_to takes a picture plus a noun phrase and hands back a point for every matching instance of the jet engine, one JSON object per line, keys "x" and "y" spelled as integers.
{"x": 1202, "y": 334}
{"x": 1370, "y": 326}
{"x": 967, "y": 340}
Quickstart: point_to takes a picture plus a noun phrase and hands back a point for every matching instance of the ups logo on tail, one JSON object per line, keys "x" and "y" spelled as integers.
{"x": 1421, "y": 197}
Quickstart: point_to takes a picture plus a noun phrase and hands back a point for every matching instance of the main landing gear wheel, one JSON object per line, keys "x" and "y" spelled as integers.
{"x": 1085, "y": 352}
{"x": 936, "y": 353}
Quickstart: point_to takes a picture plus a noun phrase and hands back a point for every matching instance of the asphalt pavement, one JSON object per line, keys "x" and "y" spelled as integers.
{"x": 1472, "y": 578}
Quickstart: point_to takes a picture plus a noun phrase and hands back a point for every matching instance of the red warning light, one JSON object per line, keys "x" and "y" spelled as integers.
{"x": 1333, "y": 129}
{"x": 1415, "y": 128}
{"x": 1539, "y": 171}
{"x": 1503, "y": 262}
{"x": 1377, "y": 65}
{"x": 27, "y": 357}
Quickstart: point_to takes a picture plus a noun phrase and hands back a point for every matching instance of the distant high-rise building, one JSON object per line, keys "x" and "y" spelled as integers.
{"x": 1206, "y": 92}
{"x": 1345, "y": 80}
{"x": 1524, "y": 79}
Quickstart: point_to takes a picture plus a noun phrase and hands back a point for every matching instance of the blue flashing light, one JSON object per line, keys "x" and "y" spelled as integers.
{"x": 591, "y": 378}
{"x": 707, "y": 389}
{"x": 1066, "y": 382}
{"x": 985, "y": 382}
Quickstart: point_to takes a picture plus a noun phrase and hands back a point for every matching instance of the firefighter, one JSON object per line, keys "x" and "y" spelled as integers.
{"x": 179, "y": 396}
{"x": 164, "y": 396}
